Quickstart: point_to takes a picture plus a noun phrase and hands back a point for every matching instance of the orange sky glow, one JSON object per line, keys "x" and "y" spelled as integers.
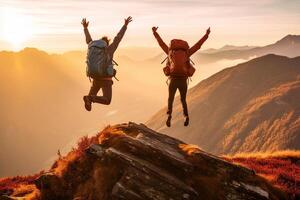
{"x": 55, "y": 26}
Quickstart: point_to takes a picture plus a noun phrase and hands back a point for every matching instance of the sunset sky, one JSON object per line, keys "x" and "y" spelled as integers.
{"x": 54, "y": 25}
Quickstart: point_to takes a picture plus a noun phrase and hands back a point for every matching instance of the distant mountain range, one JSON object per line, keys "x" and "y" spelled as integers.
{"x": 287, "y": 46}
{"x": 228, "y": 47}
{"x": 251, "y": 107}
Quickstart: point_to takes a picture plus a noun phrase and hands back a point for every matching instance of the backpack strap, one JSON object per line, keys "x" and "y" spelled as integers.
{"x": 114, "y": 62}
{"x": 116, "y": 78}
{"x": 168, "y": 80}
{"x": 191, "y": 61}
{"x": 164, "y": 60}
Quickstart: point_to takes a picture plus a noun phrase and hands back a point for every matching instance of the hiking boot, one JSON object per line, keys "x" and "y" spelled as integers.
{"x": 168, "y": 122}
{"x": 87, "y": 103}
{"x": 187, "y": 121}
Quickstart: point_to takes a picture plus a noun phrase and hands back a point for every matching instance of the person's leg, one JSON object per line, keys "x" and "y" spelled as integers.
{"x": 183, "y": 91}
{"x": 93, "y": 91}
{"x": 96, "y": 85}
{"x": 182, "y": 86}
{"x": 106, "y": 97}
{"x": 172, "y": 92}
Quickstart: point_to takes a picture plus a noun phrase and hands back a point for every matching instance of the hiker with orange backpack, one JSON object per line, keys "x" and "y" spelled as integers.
{"x": 178, "y": 69}
{"x": 100, "y": 65}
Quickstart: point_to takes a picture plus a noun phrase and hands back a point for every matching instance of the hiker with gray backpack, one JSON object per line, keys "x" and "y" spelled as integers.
{"x": 178, "y": 69}
{"x": 100, "y": 65}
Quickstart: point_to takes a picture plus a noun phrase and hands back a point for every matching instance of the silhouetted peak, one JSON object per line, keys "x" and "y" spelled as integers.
{"x": 33, "y": 51}
{"x": 290, "y": 39}
{"x": 233, "y": 47}
{"x": 268, "y": 58}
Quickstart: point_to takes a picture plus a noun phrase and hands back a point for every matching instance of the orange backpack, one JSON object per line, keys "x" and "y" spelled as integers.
{"x": 178, "y": 63}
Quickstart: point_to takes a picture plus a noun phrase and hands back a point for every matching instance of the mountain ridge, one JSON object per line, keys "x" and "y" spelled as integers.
{"x": 217, "y": 104}
{"x": 227, "y": 51}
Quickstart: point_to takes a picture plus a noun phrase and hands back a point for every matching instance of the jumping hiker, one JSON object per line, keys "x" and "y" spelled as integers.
{"x": 178, "y": 69}
{"x": 100, "y": 65}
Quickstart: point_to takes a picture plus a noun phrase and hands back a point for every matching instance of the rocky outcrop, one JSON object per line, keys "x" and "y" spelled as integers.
{"x": 131, "y": 161}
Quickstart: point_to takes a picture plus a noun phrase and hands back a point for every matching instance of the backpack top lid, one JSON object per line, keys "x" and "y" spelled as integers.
{"x": 98, "y": 43}
{"x": 179, "y": 44}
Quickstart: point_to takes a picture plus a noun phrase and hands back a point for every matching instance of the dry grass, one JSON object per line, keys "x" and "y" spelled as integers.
{"x": 24, "y": 185}
{"x": 61, "y": 164}
{"x": 85, "y": 174}
{"x": 277, "y": 154}
{"x": 189, "y": 148}
{"x": 19, "y": 186}
{"x": 281, "y": 168}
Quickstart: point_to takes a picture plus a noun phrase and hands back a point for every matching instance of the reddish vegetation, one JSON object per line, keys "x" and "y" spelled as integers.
{"x": 23, "y": 185}
{"x": 62, "y": 163}
{"x": 9, "y": 186}
{"x": 282, "y": 169}
{"x": 189, "y": 148}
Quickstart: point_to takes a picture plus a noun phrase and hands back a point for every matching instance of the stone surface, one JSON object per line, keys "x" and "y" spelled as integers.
{"x": 134, "y": 162}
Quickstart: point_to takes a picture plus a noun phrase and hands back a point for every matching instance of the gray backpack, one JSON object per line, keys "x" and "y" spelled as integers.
{"x": 99, "y": 63}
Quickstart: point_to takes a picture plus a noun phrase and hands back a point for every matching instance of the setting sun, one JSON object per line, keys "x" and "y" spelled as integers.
{"x": 16, "y": 28}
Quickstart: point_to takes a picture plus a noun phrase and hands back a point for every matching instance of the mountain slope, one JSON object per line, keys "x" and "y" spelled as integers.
{"x": 253, "y": 106}
{"x": 281, "y": 168}
{"x": 130, "y": 161}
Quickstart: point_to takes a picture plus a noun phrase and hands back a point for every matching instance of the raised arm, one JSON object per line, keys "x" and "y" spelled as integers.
{"x": 85, "y": 25}
{"x": 161, "y": 43}
{"x": 114, "y": 45}
{"x": 198, "y": 45}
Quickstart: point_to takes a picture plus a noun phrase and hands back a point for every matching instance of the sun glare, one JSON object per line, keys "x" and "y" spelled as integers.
{"x": 15, "y": 27}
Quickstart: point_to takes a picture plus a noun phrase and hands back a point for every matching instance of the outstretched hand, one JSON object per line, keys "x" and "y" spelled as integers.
{"x": 208, "y": 31}
{"x": 154, "y": 28}
{"x": 85, "y": 23}
{"x": 128, "y": 20}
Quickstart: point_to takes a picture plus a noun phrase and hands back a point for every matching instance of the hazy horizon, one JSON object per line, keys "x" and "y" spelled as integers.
{"x": 232, "y": 22}
{"x": 156, "y": 49}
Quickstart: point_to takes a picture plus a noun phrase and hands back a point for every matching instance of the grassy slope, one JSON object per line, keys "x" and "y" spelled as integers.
{"x": 281, "y": 168}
